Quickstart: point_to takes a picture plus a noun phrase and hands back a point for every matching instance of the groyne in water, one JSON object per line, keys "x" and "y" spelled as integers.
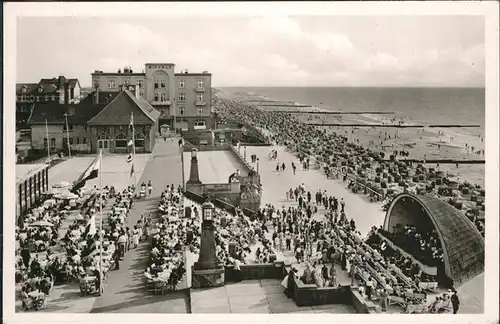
{"x": 440, "y": 161}
{"x": 396, "y": 126}
{"x": 337, "y": 112}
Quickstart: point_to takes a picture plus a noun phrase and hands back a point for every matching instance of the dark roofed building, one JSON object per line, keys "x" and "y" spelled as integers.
{"x": 462, "y": 244}
{"x": 98, "y": 121}
{"x": 60, "y": 90}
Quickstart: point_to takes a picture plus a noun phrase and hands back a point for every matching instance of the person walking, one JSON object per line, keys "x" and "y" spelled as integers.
{"x": 150, "y": 188}
{"x": 455, "y": 302}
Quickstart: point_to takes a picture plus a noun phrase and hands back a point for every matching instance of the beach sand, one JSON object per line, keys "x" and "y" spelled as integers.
{"x": 420, "y": 143}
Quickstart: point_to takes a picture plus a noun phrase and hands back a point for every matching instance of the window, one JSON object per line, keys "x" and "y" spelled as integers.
{"x": 163, "y": 84}
{"x": 140, "y": 83}
{"x": 139, "y": 140}
{"x": 53, "y": 98}
{"x": 199, "y": 110}
{"x": 182, "y": 83}
{"x": 77, "y": 140}
{"x": 84, "y": 140}
{"x": 141, "y": 94}
{"x": 127, "y": 82}
{"x": 46, "y": 98}
{"x": 163, "y": 99}
{"x": 121, "y": 140}
{"x": 52, "y": 143}
{"x": 45, "y": 142}
{"x": 200, "y": 124}
{"x": 32, "y": 98}
{"x": 199, "y": 96}
{"x": 71, "y": 141}
{"x": 181, "y": 110}
{"x": 182, "y": 97}
{"x": 40, "y": 89}
{"x": 111, "y": 84}
{"x": 200, "y": 84}
{"x": 37, "y": 99}
{"x": 70, "y": 127}
{"x": 23, "y": 90}
{"x": 156, "y": 84}
{"x": 156, "y": 97}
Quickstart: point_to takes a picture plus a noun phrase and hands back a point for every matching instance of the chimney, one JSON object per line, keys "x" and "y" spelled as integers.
{"x": 186, "y": 71}
{"x": 119, "y": 70}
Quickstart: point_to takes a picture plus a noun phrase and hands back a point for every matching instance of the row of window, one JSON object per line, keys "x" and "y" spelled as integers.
{"x": 121, "y": 140}
{"x": 158, "y": 84}
{"x": 181, "y": 110}
{"x": 162, "y": 97}
{"x": 37, "y": 98}
{"x": 182, "y": 96}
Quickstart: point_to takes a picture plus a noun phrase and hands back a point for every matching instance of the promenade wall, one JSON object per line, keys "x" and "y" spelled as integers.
{"x": 304, "y": 294}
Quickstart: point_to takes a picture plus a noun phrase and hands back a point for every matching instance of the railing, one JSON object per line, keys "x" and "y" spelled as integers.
{"x": 200, "y": 89}
{"x": 200, "y": 103}
{"x": 218, "y": 203}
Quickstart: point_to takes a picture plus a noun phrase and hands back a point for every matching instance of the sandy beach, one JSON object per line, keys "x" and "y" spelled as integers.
{"x": 420, "y": 143}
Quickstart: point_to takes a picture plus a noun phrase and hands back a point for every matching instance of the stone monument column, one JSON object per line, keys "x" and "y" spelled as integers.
{"x": 194, "y": 177}
{"x": 206, "y": 271}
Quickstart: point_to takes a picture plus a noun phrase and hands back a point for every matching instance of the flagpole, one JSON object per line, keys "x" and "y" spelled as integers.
{"x": 100, "y": 227}
{"x": 133, "y": 150}
{"x": 48, "y": 140}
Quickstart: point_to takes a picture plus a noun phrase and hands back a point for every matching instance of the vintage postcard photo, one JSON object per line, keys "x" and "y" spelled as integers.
{"x": 311, "y": 161}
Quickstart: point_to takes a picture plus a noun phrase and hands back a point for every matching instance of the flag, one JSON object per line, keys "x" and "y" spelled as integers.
{"x": 90, "y": 173}
{"x": 130, "y": 143}
{"x": 131, "y": 170}
{"x": 90, "y": 229}
{"x": 131, "y": 125}
{"x": 130, "y": 158}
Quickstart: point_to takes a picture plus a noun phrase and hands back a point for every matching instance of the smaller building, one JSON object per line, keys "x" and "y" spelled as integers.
{"x": 100, "y": 121}
{"x": 60, "y": 90}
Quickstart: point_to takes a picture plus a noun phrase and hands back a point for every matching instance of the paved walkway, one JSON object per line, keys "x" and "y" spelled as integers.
{"x": 264, "y": 296}
{"x": 124, "y": 290}
{"x": 214, "y": 166}
{"x": 275, "y": 184}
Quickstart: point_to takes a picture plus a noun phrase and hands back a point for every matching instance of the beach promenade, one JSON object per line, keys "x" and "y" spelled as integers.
{"x": 366, "y": 214}
{"x": 124, "y": 290}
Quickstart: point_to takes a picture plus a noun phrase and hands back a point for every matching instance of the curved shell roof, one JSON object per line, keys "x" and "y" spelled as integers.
{"x": 463, "y": 245}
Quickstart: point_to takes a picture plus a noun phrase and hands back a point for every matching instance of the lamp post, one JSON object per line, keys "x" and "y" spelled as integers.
{"x": 257, "y": 165}
{"x": 67, "y": 134}
{"x": 208, "y": 258}
{"x": 207, "y": 272}
{"x": 245, "y": 153}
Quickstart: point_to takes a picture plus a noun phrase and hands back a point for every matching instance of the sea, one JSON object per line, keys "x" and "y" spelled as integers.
{"x": 424, "y": 105}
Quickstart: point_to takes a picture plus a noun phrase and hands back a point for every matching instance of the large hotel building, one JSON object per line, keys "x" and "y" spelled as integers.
{"x": 183, "y": 99}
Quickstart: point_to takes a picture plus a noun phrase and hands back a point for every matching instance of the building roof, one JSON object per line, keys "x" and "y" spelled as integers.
{"x": 118, "y": 111}
{"x": 117, "y": 74}
{"x": 463, "y": 245}
{"x": 193, "y": 74}
{"x": 48, "y": 86}
{"x": 152, "y": 113}
{"x": 53, "y": 112}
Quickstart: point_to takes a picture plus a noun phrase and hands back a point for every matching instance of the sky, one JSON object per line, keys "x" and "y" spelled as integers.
{"x": 430, "y": 51}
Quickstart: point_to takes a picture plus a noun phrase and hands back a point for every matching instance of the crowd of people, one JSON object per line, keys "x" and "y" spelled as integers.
{"x": 173, "y": 232}
{"x": 424, "y": 245}
{"x": 377, "y": 173}
{"x": 383, "y": 271}
{"x": 47, "y": 257}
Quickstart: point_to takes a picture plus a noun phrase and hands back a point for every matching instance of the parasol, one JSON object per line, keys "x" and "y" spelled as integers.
{"x": 66, "y": 195}
{"x": 61, "y": 184}
{"x": 41, "y": 224}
